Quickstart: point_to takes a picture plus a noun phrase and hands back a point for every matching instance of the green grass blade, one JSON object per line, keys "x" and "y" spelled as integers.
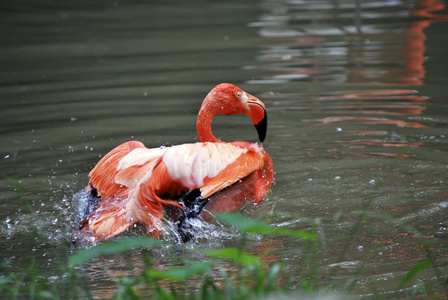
{"x": 182, "y": 273}
{"x": 414, "y": 271}
{"x": 236, "y": 255}
{"x": 256, "y": 226}
{"x": 111, "y": 248}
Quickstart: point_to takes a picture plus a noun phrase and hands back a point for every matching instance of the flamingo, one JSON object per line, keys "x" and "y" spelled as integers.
{"x": 134, "y": 184}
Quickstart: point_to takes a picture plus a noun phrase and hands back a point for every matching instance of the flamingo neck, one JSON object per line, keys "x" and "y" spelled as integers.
{"x": 204, "y": 126}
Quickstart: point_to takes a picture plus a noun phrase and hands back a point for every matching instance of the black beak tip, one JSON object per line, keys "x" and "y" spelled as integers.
{"x": 262, "y": 128}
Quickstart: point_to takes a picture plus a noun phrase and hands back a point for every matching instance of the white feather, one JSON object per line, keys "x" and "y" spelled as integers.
{"x": 140, "y": 156}
{"x": 191, "y": 163}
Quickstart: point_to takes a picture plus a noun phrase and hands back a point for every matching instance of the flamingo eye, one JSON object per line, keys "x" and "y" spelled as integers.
{"x": 242, "y": 97}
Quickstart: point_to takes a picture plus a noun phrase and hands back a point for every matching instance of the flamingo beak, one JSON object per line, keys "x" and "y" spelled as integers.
{"x": 257, "y": 112}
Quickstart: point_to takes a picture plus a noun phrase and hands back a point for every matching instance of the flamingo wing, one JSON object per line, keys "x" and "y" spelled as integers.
{"x": 132, "y": 180}
{"x": 102, "y": 176}
{"x": 115, "y": 179}
{"x": 245, "y": 165}
{"x": 211, "y": 167}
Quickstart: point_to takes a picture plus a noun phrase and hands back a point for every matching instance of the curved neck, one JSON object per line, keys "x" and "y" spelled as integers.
{"x": 204, "y": 126}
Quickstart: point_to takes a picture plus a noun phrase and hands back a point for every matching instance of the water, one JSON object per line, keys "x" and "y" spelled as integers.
{"x": 357, "y": 102}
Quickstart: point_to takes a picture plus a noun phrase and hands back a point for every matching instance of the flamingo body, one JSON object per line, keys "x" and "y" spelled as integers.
{"x": 137, "y": 184}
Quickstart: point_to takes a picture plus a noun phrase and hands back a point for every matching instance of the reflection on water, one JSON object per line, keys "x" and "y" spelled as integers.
{"x": 349, "y": 43}
{"x": 357, "y": 100}
{"x": 344, "y": 42}
{"x": 349, "y": 78}
{"x": 357, "y": 110}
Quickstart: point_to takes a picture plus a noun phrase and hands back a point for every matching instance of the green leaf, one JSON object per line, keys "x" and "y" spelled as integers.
{"x": 181, "y": 273}
{"x": 236, "y": 255}
{"x": 111, "y": 248}
{"x": 255, "y": 226}
{"x": 46, "y": 294}
{"x": 414, "y": 271}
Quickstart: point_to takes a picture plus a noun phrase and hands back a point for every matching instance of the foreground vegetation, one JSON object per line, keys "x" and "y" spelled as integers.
{"x": 228, "y": 273}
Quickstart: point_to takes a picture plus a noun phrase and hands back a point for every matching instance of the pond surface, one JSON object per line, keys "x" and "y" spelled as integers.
{"x": 356, "y": 94}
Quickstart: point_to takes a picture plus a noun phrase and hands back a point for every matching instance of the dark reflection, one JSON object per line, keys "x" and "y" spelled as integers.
{"x": 373, "y": 43}
{"x": 357, "y": 45}
{"x": 355, "y": 119}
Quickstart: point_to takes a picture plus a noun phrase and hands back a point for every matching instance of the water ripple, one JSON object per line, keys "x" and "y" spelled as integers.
{"x": 342, "y": 42}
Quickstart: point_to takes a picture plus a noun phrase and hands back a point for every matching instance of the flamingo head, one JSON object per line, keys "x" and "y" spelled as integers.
{"x": 229, "y": 99}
